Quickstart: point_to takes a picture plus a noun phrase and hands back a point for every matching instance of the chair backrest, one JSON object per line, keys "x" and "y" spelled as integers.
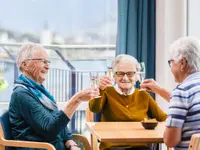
{"x": 195, "y": 142}
{"x": 92, "y": 117}
{"x": 5, "y": 127}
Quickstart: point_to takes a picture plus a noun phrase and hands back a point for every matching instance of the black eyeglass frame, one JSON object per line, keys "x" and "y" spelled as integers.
{"x": 169, "y": 62}
{"x": 129, "y": 74}
{"x": 172, "y": 60}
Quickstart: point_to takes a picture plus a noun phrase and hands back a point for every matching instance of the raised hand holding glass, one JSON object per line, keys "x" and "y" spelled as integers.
{"x": 94, "y": 80}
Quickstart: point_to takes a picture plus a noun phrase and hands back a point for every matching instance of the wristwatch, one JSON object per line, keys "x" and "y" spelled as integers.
{"x": 72, "y": 145}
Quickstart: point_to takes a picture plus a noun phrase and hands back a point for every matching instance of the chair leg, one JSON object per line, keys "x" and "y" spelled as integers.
{"x": 155, "y": 146}
{"x": 94, "y": 142}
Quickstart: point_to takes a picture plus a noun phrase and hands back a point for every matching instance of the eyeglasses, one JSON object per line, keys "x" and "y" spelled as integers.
{"x": 41, "y": 60}
{"x": 122, "y": 74}
{"x": 170, "y": 62}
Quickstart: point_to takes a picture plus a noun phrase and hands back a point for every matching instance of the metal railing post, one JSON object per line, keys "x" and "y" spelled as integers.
{"x": 15, "y": 64}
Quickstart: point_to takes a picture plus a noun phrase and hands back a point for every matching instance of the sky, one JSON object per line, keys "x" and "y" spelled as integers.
{"x": 63, "y": 16}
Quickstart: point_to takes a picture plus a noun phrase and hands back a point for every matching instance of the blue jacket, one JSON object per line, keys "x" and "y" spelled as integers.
{"x": 31, "y": 121}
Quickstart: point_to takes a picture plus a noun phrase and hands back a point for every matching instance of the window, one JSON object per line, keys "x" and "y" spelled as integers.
{"x": 193, "y": 18}
{"x": 86, "y": 29}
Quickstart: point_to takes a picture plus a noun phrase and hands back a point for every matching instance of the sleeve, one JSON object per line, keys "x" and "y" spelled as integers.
{"x": 178, "y": 109}
{"x": 154, "y": 110}
{"x": 66, "y": 134}
{"x": 96, "y": 105}
{"x": 46, "y": 123}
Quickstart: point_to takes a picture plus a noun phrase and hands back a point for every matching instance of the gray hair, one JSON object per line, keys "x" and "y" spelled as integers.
{"x": 27, "y": 51}
{"x": 124, "y": 57}
{"x": 188, "y": 48}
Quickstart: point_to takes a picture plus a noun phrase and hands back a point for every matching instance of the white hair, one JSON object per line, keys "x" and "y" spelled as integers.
{"x": 188, "y": 48}
{"x": 27, "y": 51}
{"x": 123, "y": 57}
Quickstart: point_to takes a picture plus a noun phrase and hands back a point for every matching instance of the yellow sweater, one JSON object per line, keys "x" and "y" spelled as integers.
{"x": 116, "y": 107}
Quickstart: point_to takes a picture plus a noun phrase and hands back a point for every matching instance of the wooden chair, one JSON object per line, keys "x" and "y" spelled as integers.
{"x": 195, "y": 142}
{"x": 6, "y": 142}
{"x": 84, "y": 140}
{"x": 92, "y": 117}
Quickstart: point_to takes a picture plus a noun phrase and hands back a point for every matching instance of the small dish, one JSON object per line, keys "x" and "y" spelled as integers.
{"x": 149, "y": 125}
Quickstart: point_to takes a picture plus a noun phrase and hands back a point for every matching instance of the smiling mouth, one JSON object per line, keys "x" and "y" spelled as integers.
{"x": 44, "y": 72}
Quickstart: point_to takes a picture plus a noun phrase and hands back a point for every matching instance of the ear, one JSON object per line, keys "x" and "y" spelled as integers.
{"x": 24, "y": 65}
{"x": 183, "y": 64}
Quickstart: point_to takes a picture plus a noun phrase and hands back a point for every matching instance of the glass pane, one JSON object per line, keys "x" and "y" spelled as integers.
{"x": 193, "y": 18}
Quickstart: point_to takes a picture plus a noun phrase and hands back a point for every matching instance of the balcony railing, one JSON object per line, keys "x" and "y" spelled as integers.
{"x": 59, "y": 82}
{"x": 64, "y": 78}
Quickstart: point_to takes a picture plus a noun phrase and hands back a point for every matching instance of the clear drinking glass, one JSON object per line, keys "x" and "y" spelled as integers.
{"x": 94, "y": 80}
{"x": 110, "y": 75}
{"x": 110, "y": 71}
{"x": 142, "y": 74}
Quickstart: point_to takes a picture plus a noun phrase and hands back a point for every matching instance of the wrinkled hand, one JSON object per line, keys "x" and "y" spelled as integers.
{"x": 104, "y": 82}
{"x": 150, "y": 85}
{"x": 75, "y": 148}
{"x": 71, "y": 142}
{"x": 88, "y": 94}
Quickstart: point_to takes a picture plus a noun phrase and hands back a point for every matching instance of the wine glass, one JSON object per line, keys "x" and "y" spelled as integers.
{"x": 141, "y": 74}
{"x": 94, "y": 80}
{"x": 110, "y": 71}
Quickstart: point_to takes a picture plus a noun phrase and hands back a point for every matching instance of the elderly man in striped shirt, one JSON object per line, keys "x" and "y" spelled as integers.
{"x": 184, "y": 113}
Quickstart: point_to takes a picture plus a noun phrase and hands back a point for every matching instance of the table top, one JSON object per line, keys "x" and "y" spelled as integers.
{"x": 132, "y": 132}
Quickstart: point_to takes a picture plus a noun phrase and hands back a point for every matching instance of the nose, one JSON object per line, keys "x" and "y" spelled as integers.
{"x": 125, "y": 76}
{"x": 47, "y": 66}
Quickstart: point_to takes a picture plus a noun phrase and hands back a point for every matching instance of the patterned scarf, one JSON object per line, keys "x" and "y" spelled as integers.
{"x": 39, "y": 91}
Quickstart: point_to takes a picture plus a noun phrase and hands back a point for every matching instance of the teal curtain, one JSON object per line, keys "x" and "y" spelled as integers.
{"x": 136, "y": 31}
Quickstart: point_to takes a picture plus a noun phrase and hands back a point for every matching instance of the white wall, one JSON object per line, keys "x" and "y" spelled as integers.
{"x": 170, "y": 25}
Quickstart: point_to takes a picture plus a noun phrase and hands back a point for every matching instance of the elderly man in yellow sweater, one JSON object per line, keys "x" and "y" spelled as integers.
{"x": 124, "y": 102}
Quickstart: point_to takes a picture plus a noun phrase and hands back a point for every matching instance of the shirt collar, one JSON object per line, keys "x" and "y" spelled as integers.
{"x": 118, "y": 90}
{"x": 193, "y": 75}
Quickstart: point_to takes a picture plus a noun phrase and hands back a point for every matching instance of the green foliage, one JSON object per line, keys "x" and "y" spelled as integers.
{"x": 3, "y": 84}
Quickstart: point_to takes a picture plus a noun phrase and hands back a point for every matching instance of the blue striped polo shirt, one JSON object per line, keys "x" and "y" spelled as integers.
{"x": 184, "y": 109}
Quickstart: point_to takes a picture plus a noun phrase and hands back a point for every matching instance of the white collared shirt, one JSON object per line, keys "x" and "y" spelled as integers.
{"x": 118, "y": 90}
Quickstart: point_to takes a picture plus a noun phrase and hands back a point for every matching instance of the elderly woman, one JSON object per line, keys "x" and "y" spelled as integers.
{"x": 124, "y": 102}
{"x": 183, "y": 114}
{"x": 33, "y": 112}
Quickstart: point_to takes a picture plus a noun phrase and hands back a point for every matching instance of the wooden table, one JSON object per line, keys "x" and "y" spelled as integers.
{"x": 129, "y": 132}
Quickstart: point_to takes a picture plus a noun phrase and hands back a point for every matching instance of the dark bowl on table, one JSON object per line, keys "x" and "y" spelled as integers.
{"x": 149, "y": 125}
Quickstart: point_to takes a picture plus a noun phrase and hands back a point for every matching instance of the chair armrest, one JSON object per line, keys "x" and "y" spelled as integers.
{"x": 83, "y": 139}
{"x": 27, "y": 144}
{"x": 194, "y": 142}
